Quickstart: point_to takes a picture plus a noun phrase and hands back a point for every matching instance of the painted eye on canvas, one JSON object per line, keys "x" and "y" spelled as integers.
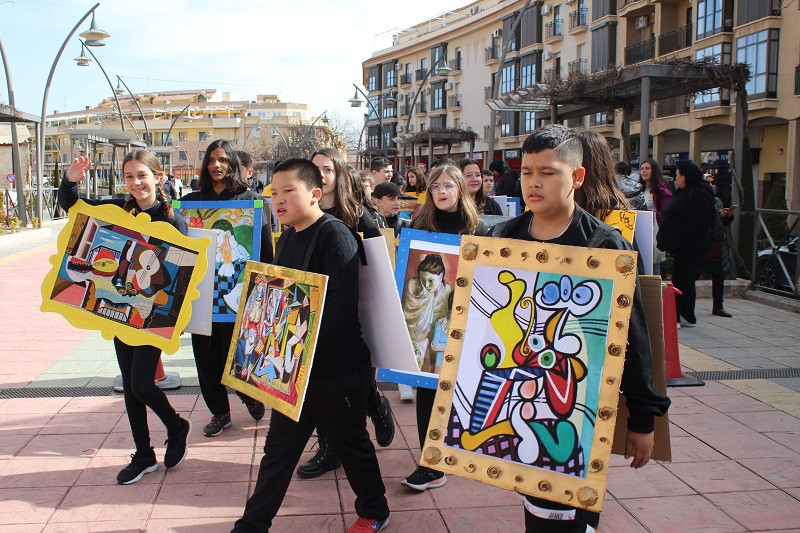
{"x": 550, "y": 293}
{"x": 547, "y": 359}
{"x": 490, "y": 356}
{"x": 566, "y": 288}
{"x": 582, "y": 295}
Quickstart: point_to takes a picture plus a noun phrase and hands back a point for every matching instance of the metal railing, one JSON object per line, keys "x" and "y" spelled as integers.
{"x": 421, "y": 107}
{"x": 421, "y": 73}
{"x": 576, "y": 67}
{"x": 405, "y": 78}
{"x": 454, "y": 64}
{"x": 454, "y": 100}
{"x": 577, "y": 18}
{"x": 492, "y": 52}
{"x": 551, "y": 74}
{"x": 676, "y": 39}
{"x": 636, "y": 53}
{"x": 776, "y": 268}
{"x": 487, "y": 92}
{"x": 552, "y": 29}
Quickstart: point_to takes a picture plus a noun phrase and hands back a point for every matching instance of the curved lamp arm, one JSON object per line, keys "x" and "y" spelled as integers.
{"x": 135, "y": 101}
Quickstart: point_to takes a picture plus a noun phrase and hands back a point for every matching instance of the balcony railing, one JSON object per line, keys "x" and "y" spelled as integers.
{"x": 552, "y": 29}
{"x": 454, "y": 100}
{"x": 677, "y": 105}
{"x": 577, "y": 18}
{"x": 636, "y": 53}
{"x": 487, "y": 93}
{"x": 675, "y": 39}
{"x": 454, "y": 64}
{"x": 487, "y": 132}
{"x": 552, "y": 74}
{"x": 421, "y": 107}
{"x": 403, "y": 112}
{"x": 405, "y": 78}
{"x": 492, "y": 52}
{"x": 421, "y": 73}
{"x": 577, "y": 67}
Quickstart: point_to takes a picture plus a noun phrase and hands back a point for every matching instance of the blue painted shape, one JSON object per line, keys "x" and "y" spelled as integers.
{"x": 415, "y": 379}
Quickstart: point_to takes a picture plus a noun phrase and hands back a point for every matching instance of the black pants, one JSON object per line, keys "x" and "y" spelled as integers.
{"x": 373, "y": 403}
{"x": 338, "y": 408}
{"x": 138, "y": 366}
{"x": 536, "y": 524}
{"x": 425, "y": 399}
{"x": 717, "y": 289}
{"x": 210, "y": 355}
{"x": 685, "y": 267}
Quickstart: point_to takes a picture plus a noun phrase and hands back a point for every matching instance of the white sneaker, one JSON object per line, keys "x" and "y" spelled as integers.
{"x": 406, "y": 392}
{"x": 685, "y": 323}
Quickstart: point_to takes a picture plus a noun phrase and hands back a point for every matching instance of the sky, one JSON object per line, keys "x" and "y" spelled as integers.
{"x": 307, "y": 51}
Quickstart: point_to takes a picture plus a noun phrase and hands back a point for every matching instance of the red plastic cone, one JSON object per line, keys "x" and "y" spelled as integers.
{"x": 160, "y": 374}
{"x": 675, "y": 377}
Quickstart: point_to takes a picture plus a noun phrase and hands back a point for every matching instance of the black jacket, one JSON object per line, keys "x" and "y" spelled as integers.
{"x": 687, "y": 219}
{"x": 643, "y": 400}
{"x": 506, "y": 183}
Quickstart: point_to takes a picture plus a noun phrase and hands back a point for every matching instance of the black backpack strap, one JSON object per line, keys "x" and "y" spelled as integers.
{"x": 602, "y": 232}
{"x": 280, "y": 244}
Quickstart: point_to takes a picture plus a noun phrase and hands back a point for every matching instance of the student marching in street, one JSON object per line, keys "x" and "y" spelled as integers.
{"x": 552, "y": 171}
{"x": 142, "y": 173}
{"x": 386, "y": 198}
{"x": 221, "y": 180}
{"x": 474, "y": 179}
{"x": 448, "y": 208}
{"x": 338, "y": 200}
{"x": 341, "y": 377}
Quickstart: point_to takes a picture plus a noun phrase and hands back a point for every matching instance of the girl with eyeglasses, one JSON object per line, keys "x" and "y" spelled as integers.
{"x": 474, "y": 181}
{"x": 448, "y": 208}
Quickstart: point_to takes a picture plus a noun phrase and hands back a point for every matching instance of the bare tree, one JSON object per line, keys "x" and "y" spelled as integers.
{"x": 295, "y": 140}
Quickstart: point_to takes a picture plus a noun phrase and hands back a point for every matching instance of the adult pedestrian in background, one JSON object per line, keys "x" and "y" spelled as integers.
{"x": 656, "y": 196}
{"x": 381, "y": 170}
{"x": 505, "y": 183}
{"x": 685, "y": 232}
{"x": 717, "y": 260}
{"x": 415, "y": 181}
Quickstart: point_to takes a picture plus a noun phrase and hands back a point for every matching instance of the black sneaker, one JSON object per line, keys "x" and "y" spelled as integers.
{"x": 141, "y": 463}
{"x": 176, "y": 445}
{"x": 254, "y": 407}
{"x": 323, "y": 461}
{"x": 217, "y": 424}
{"x": 383, "y": 422}
{"x": 424, "y": 478}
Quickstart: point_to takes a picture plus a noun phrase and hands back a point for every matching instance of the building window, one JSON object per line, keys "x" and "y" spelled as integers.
{"x": 509, "y": 80}
{"x": 527, "y": 70}
{"x": 389, "y": 74}
{"x": 437, "y": 96}
{"x": 373, "y": 78}
{"x": 389, "y": 110}
{"x": 509, "y": 123}
{"x": 601, "y": 8}
{"x": 528, "y": 121}
{"x": 604, "y": 47}
{"x": 713, "y": 16}
{"x": 183, "y": 136}
{"x": 182, "y": 155}
{"x": 750, "y": 10}
{"x": 373, "y": 137}
{"x": 166, "y": 139}
{"x": 530, "y": 27}
{"x": 202, "y": 135}
{"x": 760, "y": 51}
{"x": 375, "y": 101}
{"x": 720, "y": 54}
{"x": 437, "y": 53}
{"x": 201, "y": 155}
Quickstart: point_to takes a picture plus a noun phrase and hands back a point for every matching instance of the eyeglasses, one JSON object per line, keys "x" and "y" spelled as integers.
{"x": 448, "y": 186}
{"x": 473, "y": 175}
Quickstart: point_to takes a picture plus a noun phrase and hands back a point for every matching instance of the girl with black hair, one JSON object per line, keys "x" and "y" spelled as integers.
{"x": 221, "y": 180}
{"x": 142, "y": 173}
{"x": 448, "y": 208}
{"x": 474, "y": 180}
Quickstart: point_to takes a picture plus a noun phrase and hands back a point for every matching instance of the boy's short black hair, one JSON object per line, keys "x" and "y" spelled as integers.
{"x": 245, "y": 159}
{"x": 564, "y": 141}
{"x": 496, "y": 166}
{"x": 387, "y": 188}
{"x": 379, "y": 163}
{"x": 307, "y": 172}
{"x": 691, "y": 172}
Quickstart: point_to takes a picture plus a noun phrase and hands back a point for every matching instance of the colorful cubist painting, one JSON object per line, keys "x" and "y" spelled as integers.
{"x": 425, "y": 274}
{"x": 275, "y": 336}
{"x": 125, "y": 276}
{"x": 238, "y": 227}
{"x": 530, "y": 383}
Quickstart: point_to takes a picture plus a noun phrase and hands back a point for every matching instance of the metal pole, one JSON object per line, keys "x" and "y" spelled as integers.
{"x": 413, "y": 103}
{"x": 43, "y": 123}
{"x": 15, "y": 163}
{"x": 380, "y": 118}
{"x": 310, "y": 128}
{"x": 119, "y": 107}
{"x": 498, "y": 80}
{"x": 644, "y": 131}
{"x": 169, "y": 137}
{"x": 135, "y": 101}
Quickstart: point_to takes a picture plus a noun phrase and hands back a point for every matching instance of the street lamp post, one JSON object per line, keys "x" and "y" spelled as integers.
{"x": 274, "y": 134}
{"x": 355, "y": 101}
{"x": 444, "y": 70}
{"x": 311, "y": 127}
{"x": 84, "y": 61}
{"x": 169, "y": 135}
{"x": 498, "y": 80}
{"x": 135, "y": 101}
{"x": 15, "y": 163}
{"x": 94, "y": 34}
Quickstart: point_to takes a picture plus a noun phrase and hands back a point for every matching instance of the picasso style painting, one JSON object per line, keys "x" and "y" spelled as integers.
{"x": 530, "y": 373}
{"x": 276, "y": 329}
{"x": 237, "y": 224}
{"x": 425, "y": 273}
{"x": 125, "y": 275}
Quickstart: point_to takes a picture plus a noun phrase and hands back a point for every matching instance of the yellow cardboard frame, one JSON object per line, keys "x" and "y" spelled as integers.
{"x": 617, "y": 265}
{"x": 140, "y": 223}
{"x": 319, "y": 282}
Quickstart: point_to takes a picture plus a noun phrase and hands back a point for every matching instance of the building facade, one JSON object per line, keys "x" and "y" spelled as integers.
{"x": 179, "y": 127}
{"x": 563, "y": 38}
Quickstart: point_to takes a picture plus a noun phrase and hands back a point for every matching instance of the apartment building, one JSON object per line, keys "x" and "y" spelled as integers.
{"x": 558, "y": 39}
{"x": 196, "y": 118}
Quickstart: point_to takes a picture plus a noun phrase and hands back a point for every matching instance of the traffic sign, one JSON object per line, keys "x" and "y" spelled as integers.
{"x": 10, "y": 178}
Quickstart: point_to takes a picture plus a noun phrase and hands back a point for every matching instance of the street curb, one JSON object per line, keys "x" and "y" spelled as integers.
{"x": 22, "y": 236}
{"x": 774, "y": 300}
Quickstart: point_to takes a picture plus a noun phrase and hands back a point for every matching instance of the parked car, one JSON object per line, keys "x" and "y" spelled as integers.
{"x": 770, "y": 273}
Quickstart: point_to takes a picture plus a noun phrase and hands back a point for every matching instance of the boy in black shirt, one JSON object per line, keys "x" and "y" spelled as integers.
{"x": 552, "y": 170}
{"x": 387, "y": 202}
{"x": 336, "y": 398}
